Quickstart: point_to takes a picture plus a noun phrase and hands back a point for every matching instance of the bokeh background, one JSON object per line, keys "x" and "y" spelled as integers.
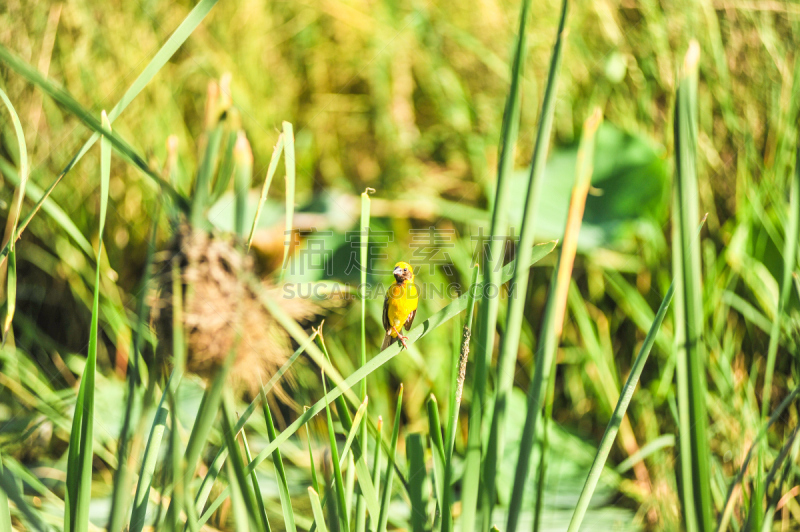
{"x": 407, "y": 98}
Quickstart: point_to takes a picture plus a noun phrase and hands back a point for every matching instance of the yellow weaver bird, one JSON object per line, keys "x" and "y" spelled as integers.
{"x": 400, "y": 305}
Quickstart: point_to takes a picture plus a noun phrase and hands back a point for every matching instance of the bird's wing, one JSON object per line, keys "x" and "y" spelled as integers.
{"x": 386, "y": 324}
{"x": 410, "y": 319}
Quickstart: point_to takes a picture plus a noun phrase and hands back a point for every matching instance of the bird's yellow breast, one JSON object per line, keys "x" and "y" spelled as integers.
{"x": 403, "y": 301}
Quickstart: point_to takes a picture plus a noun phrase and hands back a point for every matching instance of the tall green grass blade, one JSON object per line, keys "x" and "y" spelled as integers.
{"x": 376, "y": 461}
{"x": 13, "y": 220}
{"x": 237, "y": 463}
{"x": 311, "y": 460}
{"x": 487, "y": 316}
{"x": 24, "y": 170}
{"x": 337, "y": 472}
{"x": 11, "y": 293}
{"x": 273, "y": 165}
{"x": 290, "y": 163}
{"x": 243, "y": 156}
{"x": 516, "y": 300}
{"x": 80, "y": 454}
{"x": 789, "y": 264}
{"x": 364, "y": 478}
{"x": 262, "y": 510}
{"x": 415, "y": 451}
{"x": 240, "y": 515}
{"x": 151, "y": 451}
{"x": 5, "y": 512}
{"x": 354, "y": 428}
{"x": 283, "y": 483}
{"x": 361, "y": 508}
{"x": 437, "y": 450}
{"x": 386, "y": 495}
{"x": 316, "y": 508}
{"x": 551, "y": 322}
{"x": 460, "y": 371}
{"x": 202, "y": 185}
{"x": 206, "y": 414}
{"x": 435, "y": 321}
{"x": 689, "y": 319}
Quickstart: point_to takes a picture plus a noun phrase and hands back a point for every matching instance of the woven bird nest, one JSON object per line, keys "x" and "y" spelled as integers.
{"x": 222, "y": 312}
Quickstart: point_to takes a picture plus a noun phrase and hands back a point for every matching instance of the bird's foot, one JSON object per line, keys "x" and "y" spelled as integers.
{"x": 401, "y": 338}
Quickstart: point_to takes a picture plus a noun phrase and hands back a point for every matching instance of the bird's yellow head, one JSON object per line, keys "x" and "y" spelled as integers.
{"x": 403, "y": 272}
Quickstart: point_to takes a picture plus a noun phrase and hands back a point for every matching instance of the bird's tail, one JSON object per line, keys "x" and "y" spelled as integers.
{"x": 388, "y": 340}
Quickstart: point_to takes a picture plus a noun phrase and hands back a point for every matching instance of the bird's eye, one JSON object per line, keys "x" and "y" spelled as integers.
{"x": 405, "y": 269}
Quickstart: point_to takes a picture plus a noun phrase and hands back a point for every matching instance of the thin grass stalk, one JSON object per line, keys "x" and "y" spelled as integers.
{"x": 237, "y": 463}
{"x": 179, "y": 491}
{"x": 241, "y": 518}
{"x": 312, "y": 462}
{"x": 316, "y": 508}
{"x": 337, "y": 472}
{"x": 460, "y": 369}
{"x": 437, "y": 448}
{"x": 151, "y": 451}
{"x": 361, "y": 505}
{"x": 277, "y": 460}
{"x": 226, "y": 167}
{"x": 386, "y": 495}
{"x": 487, "y": 315}
{"x": 289, "y": 163}
{"x": 376, "y": 467}
{"x": 552, "y": 322}
{"x": 80, "y": 454}
{"x": 262, "y": 511}
{"x": 517, "y": 290}
{"x": 545, "y": 450}
{"x": 607, "y": 441}
{"x": 202, "y": 185}
{"x": 5, "y": 512}
{"x": 432, "y": 323}
{"x": 12, "y": 221}
{"x": 348, "y": 423}
{"x": 695, "y": 476}
{"x": 206, "y": 414}
{"x": 243, "y": 174}
{"x": 355, "y": 427}
{"x": 273, "y": 165}
{"x": 789, "y": 264}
